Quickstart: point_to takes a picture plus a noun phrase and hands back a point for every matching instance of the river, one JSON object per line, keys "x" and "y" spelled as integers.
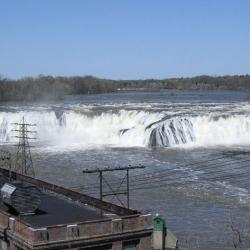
{"x": 195, "y": 146}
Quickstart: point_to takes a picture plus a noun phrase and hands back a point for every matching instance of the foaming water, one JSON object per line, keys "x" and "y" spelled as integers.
{"x": 130, "y": 128}
{"x": 195, "y": 146}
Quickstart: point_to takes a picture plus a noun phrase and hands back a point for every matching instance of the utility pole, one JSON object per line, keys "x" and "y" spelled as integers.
{"x": 24, "y": 164}
{"x": 113, "y": 192}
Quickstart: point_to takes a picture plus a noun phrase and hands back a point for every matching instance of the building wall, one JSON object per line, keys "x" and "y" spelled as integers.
{"x": 116, "y": 231}
{"x": 143, "y": 244}
{"x": 8, "y": 245}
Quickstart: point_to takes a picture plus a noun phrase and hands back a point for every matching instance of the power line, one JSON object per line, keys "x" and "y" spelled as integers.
{"x": 174, "y": 170}
{"x": 177, "y": 173}
{"x": 207, "y": 178}
{"x": 153, "y": 172}
{"x": 117, "y": 192}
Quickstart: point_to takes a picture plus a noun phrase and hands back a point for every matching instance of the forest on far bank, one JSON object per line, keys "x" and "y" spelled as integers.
{"x": 52, "y": 88}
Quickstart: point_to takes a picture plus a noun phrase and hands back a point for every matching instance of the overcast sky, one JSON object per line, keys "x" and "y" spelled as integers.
{"x": 124, "y": 39}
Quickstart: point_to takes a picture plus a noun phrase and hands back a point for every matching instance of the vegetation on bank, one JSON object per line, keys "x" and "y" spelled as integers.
{"x": 48, "y": 87}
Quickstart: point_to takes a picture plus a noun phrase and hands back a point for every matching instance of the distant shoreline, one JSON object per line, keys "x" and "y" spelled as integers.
{"x": 55, "y": 88}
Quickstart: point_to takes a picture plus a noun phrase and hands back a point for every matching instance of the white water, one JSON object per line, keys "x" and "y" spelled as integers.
{"x": 130, "y": 129}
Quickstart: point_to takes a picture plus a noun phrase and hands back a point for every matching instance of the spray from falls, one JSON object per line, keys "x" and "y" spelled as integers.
{"x": 129, "y": 129}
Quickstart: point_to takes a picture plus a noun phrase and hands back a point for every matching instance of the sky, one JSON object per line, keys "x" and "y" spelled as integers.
{"x": 124, "y": 39}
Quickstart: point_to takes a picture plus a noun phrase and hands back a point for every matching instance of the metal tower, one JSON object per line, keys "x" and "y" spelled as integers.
{"x": 24, "y": 164}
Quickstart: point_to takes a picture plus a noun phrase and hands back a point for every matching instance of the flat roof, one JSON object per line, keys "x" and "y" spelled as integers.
{"x": 55, "y": 210}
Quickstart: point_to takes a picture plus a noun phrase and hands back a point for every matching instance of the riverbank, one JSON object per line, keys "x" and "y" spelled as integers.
{"x": 55, "y": 88}
{"x": 197, "y": 172}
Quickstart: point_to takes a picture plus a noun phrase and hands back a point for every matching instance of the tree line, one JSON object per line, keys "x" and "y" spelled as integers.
{"x": 50, "y": 88}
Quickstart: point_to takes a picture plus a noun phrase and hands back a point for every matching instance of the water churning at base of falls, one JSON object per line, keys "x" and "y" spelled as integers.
{"x": 131, "y": 128}
{"x": 194, "y": 144}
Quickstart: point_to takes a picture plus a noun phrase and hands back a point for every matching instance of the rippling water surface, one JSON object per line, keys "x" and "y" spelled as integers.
{"x": 195, "y": 146}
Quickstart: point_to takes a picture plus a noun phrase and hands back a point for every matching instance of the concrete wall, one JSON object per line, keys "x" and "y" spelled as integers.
{"x": 23, "y": 235}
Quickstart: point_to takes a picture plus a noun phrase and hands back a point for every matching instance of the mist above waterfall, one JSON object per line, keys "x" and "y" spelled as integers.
{"x": 194, "y": 144}
{"x": 130, "y": 128}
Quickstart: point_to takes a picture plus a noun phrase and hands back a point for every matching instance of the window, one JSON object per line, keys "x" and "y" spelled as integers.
{"x": 105, "y": 247}
{"x": 131, "y": 245}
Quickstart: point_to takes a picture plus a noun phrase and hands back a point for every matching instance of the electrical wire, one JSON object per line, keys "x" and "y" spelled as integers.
{"x": 161, "y": 179}
{"x": 159, "y": 172}
{"x": 185, "y": 174}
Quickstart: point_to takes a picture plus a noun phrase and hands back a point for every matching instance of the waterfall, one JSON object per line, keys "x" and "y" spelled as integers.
{"x": 130, "y": 128}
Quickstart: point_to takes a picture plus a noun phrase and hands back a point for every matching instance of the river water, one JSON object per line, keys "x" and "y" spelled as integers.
{"x": 195, "y": 146}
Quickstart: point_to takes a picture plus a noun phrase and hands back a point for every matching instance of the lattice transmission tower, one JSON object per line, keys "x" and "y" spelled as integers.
{"x": 24, "y": 163}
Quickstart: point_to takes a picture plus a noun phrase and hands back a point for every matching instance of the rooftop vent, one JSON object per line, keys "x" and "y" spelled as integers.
{"x": 23, "y": 198}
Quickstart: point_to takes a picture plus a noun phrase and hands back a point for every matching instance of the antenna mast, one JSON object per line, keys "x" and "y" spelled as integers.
{"x": 24, "y": 164}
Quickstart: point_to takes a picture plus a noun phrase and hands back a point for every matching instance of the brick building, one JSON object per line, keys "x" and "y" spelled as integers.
{"x": 67, "y": 219}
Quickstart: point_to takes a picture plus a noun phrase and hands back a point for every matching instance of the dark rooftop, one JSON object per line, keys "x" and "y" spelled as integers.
{"x": 54, "y": 210}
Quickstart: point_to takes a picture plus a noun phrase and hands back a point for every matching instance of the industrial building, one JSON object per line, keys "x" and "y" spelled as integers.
{"x": 66, "y": 219}
{"x": 36, "y": 214}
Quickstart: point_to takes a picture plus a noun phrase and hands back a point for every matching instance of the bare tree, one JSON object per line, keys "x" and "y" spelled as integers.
{"x": 239, "y": 233}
